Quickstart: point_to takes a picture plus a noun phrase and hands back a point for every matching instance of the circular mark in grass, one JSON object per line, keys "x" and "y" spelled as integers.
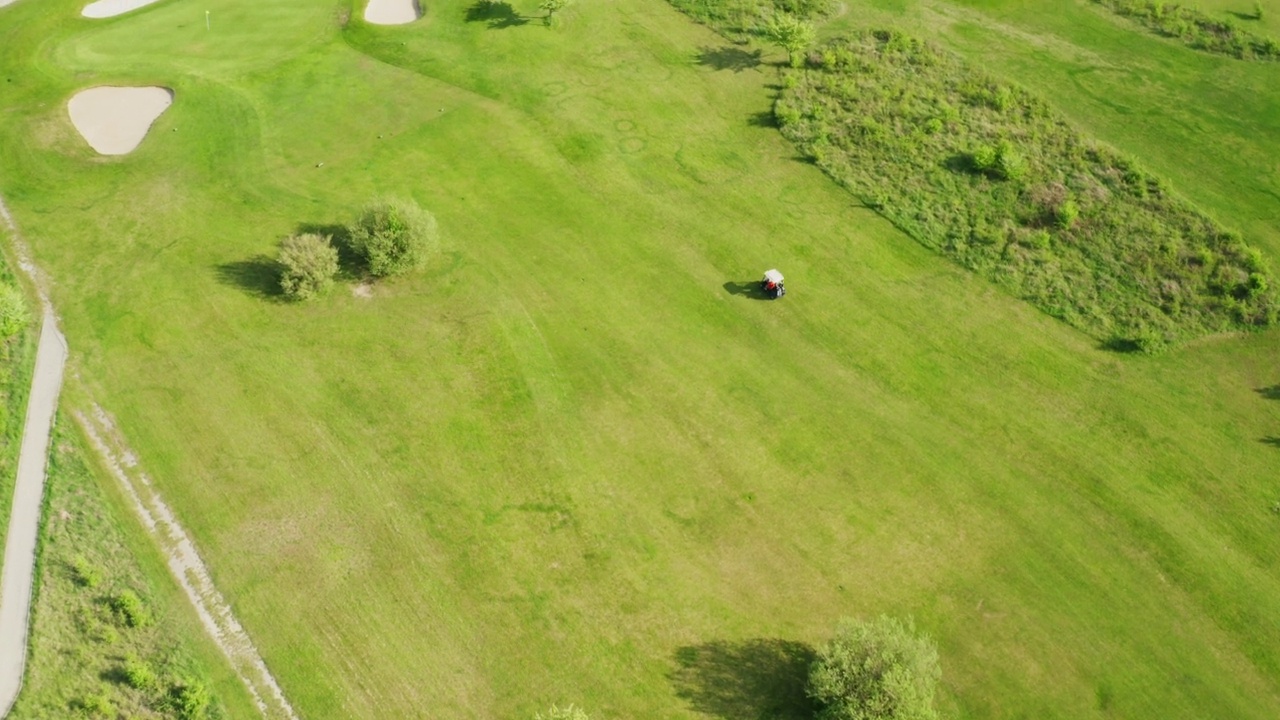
{"x": 624, "y": 126}
{"x": 631, "y": 145}
{"x": 555, "y": 88}
{"x": 711, "y": 163}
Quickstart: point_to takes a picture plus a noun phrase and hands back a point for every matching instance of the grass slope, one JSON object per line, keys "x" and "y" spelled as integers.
{"x": 575, "y": 461}
{"x": 84, "y": 646}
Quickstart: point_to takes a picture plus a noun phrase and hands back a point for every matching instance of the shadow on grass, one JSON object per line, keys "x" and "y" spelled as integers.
{"x": 258, "y": 276}
{"x": 498, "y": 15}
{"x": 760, "y": 678}
{"x": 1273, "y": 441}
{"x": 763, "y": 119}
{"x": 730, "y": 58}
{"x": 747, "y": 289}
{"x": 1270, "y": 393}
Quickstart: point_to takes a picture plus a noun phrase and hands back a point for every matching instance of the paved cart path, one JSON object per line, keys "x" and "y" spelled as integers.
{"x": 24, "y": 519}
{"x": 184, "y": 562}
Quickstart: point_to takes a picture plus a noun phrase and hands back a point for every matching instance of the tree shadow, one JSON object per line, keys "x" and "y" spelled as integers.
{"x": 1272, "y": 440}
{"x": 1244, "y": 15}
{"x": 750, "y": 290}
{"x": 1119, "y": 344}
{"x": 763, "y": 119}
{"x": 1270, "y": 393}
{"x": 259, "y": 276}
{"x": 730, "y": 58}
{"x": 497, "y": 14}
{"x": 760, "y": 678}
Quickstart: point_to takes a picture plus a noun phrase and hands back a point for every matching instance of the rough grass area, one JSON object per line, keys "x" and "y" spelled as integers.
{"x": 988, "y": 174}
{"x": 1198, "y": 29}
{"x": 104, "y": 642}
{"x": 742, "y": 19}
{"x": 16, "y": 355}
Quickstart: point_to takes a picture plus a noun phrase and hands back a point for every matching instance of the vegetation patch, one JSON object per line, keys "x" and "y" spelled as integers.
{"x": 104, "y": 644}
{"x": 745, "y": 19}
{"x": 1199, "y": 29}
{"x": 988, "y": 175}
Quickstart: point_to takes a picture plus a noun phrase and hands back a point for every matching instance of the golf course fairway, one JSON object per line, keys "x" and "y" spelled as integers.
{"x": 572, "y": 460}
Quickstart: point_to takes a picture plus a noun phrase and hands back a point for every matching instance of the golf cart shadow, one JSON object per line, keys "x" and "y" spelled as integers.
{"x": 747, "y": 289}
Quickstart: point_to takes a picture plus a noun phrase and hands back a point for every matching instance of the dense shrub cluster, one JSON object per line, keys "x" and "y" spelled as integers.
{"x": 13, "y": 311}
{"x": 742, "y": 19}
{"x": 1198, "y": 29}
{"x": 877, "y": 670}
{"x": 308, "y": 264}
{"x": 988, "y": 175}
{"x": 394, "y": 236}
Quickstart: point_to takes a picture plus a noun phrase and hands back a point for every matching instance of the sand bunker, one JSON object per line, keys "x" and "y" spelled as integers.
{"x": 391, "y": 12}
{"x": 5, "y": 2}
{"x": 115, "y": 119}
{"x": 111, "y": 8}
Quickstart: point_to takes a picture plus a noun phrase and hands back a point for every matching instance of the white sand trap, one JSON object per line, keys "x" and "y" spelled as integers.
{"x": 114, "y": 120}
{"x": 5, "y": 2}
{"x": 111, "y": 8}
{"x": 392, "y": 12}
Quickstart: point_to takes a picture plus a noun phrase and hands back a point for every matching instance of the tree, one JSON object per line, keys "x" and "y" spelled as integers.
{"x": 308, "y": 263}
{"x": 551, "y": 7}
{"x": 563, "y": 713}
{"x": 791, "y": 34}
{"x": 394, "y": 236}
{"x": 878, "y": 670}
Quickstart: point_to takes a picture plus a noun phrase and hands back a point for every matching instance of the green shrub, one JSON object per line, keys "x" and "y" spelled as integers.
{"x": 13, "y": 311}
{"x": 129, "y": 609}
{"x": 138, "y": 674}
{"x": 83, "y": 573}
{"x": 789, "y": 33}
{"x": 878, "y": 670}
{"x": 308, "y": 264}
{"x": 189, "y": 699}
{"x": 394, "y": 236}
{"x": 1010, "y": 164}
{"x": 98, "y": 704}
{"x": 984, "y": 158}
{"x": 1066, "y": 214}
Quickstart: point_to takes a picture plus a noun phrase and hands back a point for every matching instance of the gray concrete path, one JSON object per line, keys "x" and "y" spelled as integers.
{"x": 24, "y": 519}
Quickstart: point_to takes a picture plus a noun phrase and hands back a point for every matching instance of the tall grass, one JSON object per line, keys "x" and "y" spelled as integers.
{"x": 987, "y": 174}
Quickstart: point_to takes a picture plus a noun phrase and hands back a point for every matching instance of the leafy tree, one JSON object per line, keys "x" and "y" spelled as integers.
{"x": 551, "y": 7}
{"x": 569, "y": 712}
{"x": 878, "y": 670}
{"x": 789, "y": 33}
{"x": 13, "y": 311}
{"x": 394, "y": 236}
{"x": 308, "y": 263}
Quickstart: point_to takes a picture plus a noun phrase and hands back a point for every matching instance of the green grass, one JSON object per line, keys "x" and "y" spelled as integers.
{"x": 16, "y": 356}
{"x": 989, "y": 175}
{"x": 111, "y": 636}
{"x": 568, "y": 463}
{"x": 1199, "y": 29}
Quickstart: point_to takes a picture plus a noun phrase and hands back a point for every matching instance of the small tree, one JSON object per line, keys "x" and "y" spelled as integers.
{"x": 551, "y": 7}
{"x": 394, "y": 236}
{"x": 569, "y": 712}
{"x": 308, "y": 263}
{"x": 791, "y": 34}
{"x": 879, "y": 670}
{"x": 13, "y": 312}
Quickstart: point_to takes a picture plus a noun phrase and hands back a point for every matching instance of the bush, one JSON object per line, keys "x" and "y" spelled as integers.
{"x": 569, "y": 712}
{"x": 189, "y": 699}
{"x": 1066, "y": 214}
{"x": 99, "y": 704}
{"x": 394, "y": 236}
{"x": 84, "y": 574}
{"x": 129, "y": 608}
{"x": 138, "y": 674}
{"x": 13, "y": 311}
{"x": 308, "y": 263}
{"x": 879, "y": 670}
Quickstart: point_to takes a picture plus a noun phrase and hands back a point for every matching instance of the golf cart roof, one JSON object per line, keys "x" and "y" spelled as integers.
{"x": 773, "y": 276}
